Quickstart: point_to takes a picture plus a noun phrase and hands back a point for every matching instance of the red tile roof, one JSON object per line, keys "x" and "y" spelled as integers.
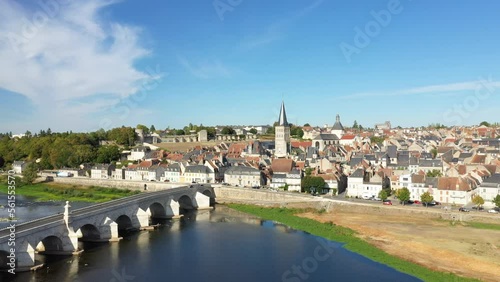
{"x": 282, "y": 165}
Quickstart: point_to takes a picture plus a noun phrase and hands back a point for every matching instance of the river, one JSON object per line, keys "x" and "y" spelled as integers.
{"x": 217, "y": 245}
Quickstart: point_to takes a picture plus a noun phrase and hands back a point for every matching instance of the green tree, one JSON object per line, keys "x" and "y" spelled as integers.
{"x": 403, "y": 195}
{"x": 145, "y": 129}
{"x": 107, "y": 154}
{"x": 30, "y": 173}
{"x": 434, "y": 153}
{"x": 434, "y": 173}
{"x": 152, "y": 129}
{"x": 228, "y": 130}
{"x": 478, "y": 200}
{"x": 307, "y": 124}
{"x": 496, "y": 201}
{"x": 383, "y": 195}
{"x": 312, "y": 181}
{"x": 376, "y": 139}
{"x": 426, "y": 198}
{"x": 485, "y": 123}
{"x": 253, "y": 131}
{"x": 355, "y": 125}
{"x": 296, "y": 132}
{"x": 309, "y": 171}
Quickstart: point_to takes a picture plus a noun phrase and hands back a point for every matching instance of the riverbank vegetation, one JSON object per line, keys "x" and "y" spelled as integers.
{"x": 348, "y": 237}
{"x": 64, "y": 192}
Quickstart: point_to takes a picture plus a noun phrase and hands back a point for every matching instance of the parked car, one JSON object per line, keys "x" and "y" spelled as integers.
{"x": 477, "y": 208}
{"x": 417, "y": 202}
{"x": 366, "y": 196}
{"x": 387, "y": 202}
{"x": 492, "y": 211}
{"x": 462, "y": 209}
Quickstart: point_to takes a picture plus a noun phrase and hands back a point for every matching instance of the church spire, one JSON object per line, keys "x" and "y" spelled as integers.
{"x": 282, "y": 119}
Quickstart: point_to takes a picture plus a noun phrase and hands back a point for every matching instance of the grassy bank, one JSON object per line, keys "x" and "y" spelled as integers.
{"x": 73, "y": 193}
{"x": 345, "y": 235}
{"x": 480, "y": 225}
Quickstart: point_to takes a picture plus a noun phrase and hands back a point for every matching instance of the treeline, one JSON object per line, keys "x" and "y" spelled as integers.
{"x": 57, "y": 150}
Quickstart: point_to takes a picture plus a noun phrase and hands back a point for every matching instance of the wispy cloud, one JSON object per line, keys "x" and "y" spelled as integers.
{"x": 205, "y": 70}
{"x": 452, "y": 89}
{"x": 277, "y": 30}
{"x": 59, "y": 53}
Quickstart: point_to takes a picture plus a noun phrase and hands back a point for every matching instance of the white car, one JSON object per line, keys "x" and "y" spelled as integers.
{"x": 492, "y": 211}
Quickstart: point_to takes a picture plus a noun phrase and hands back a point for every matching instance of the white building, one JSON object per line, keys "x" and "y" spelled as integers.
{"x": 242, "y": 176}
{"x": 489, "y": 189}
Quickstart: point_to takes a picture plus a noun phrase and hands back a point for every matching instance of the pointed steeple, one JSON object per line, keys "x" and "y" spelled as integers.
{"x": 282, "y": 119}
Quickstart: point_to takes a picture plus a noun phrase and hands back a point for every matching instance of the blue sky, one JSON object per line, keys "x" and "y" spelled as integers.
{"x": 83, "y": 65}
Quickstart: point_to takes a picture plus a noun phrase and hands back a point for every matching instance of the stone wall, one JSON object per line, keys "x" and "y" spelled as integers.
{"x": 124, "y": 184}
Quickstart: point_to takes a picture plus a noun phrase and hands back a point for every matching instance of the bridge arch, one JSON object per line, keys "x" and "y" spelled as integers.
{"x": 89, "y": 233}
{"x": 124, "y": 224}
{"x": 157, "y": 210}
{"x": 50, "y": 244}
{"x": 185, "y": 203}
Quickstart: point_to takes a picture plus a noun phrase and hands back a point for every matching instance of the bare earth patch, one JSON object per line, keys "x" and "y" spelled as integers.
{"x": 435, "y": 244}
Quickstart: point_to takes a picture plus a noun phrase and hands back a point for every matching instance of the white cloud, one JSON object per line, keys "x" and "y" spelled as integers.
{"x": 64, "y": 52}
{"x": 277, "y": 30}
{"x": 452, "y": 89}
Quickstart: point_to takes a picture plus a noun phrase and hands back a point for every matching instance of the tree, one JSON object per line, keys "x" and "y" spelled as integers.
{"x": 30, "y": 173}
{"x": 312, "y": 181}
{"x": 253, "y": 131}
{"x": 434, "y": 173}
{"x": 426, "y": 198}
{"x": 145, "y": 129}
{"x": 228, "y": 130}
{"x": 152, "y": 129}
{"x": 383, "y": 195}
{"x": 485, "y": 123}
{"x": 376, "y": 140}
{"x": 296, "y": 131}
{"x": 403, "y": 195}
{"x": 309, "y": 170}
{"x": 478, "y": 200}
{"x": 355, "y": 125}
{"x": 496, "y": 201}
{"x": 434, "y": 153}
{"x": 107, "y": 154}
{"x": 307, "y": 124}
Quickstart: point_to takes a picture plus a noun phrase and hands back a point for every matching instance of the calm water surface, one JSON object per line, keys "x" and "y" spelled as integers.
{"x": 218, "y": 245}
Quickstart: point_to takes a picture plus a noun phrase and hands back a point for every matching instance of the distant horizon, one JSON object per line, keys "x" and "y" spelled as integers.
{"x": 81, "y": 66}
{"x": 493, "y": 125}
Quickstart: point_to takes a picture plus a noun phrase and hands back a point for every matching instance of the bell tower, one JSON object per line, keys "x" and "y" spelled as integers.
{"x": 282, "y": 134}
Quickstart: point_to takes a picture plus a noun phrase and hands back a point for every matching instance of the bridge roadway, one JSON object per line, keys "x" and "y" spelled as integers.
{"x": 36, "y": 223}
{"x": 59, "y": 234}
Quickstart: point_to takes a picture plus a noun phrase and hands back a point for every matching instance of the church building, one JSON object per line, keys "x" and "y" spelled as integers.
{"x": 282, "y": 135}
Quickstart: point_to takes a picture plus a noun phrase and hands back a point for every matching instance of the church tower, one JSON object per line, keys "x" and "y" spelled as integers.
{"x": 337, "y": 128}
{"x": 282, "y": 135}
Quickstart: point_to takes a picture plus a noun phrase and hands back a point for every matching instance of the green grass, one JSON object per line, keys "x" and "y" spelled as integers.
{"x": 73, "y": 193}
{"x": 480, "y": 225}
{"x": 345, "y": 235}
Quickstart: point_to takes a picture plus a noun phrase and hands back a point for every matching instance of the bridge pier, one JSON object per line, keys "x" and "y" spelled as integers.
{"x": 202, "y": 201}
{"x": 142, "y": 218}
{"x": 25, "y": 257}
{"x": 109, "y": 230}
{"x": 172, "y": 209}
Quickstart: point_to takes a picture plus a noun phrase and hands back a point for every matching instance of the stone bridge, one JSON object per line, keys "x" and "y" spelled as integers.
{"x": 59, "y": 234}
